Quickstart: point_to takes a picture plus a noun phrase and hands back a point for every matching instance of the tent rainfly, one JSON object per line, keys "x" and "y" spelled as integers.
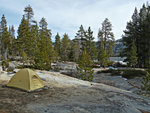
{"x": 26, "y": 79}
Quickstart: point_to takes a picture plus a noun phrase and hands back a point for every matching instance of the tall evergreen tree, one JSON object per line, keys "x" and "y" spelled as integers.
{"x": 132, "y": 56}
{"x": 28, "y": 13}
{"x": 106, "y": 41}
{"x": 90, "y": 45}
{"x": 12, "y": 39}
{"x": 80, "y": 36}
{"x": 106, "y": 35}
{"x": 57, "y": 46}
{"x": 12, "y": 31}
{"x": 145, "y": 35}
{"x": 131, "y": 33}
{"x": 65, "y": 48}
{"x": 23, "y": 37}
{"x": 137, "y": 31}
{"x": 71, "y": 51}
{"x": 76, "y": 50}
{"x": 46, "y": 53}
{"x": 5, "y": 38}
{"x": 102, "y": 57}
{"x": 27, "y": 35}
{"x": 34, "y": 39}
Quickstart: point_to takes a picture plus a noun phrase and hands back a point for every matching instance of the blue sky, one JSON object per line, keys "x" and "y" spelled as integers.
{"x": 66, "y": 16}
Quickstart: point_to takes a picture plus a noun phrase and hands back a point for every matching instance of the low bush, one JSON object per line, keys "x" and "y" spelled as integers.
{"x": 146, "y": 81}
{"x": 25, "y": 66}
{"x": 110, "y": 63}
{"x": 9, "y": 70}
{"x": 126, "y": 73}
{"x": 131, "y": 73}
{"x": 107, "y": 71}
{"x": 112, "y": 71}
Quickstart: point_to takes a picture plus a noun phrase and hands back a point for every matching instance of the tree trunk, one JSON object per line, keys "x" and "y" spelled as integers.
{"x": 5, "y": 54}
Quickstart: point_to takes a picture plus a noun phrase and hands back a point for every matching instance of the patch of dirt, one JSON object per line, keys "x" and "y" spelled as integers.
{"x": 14, "y": 100}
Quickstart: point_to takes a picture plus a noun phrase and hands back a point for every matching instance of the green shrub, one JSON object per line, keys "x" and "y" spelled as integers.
{"x": 9, "y": 70}
{"x": 126, "y": 73}
{"x": 5, "y": 63}
{"x": 26, "y": 66}
{"x": 110, "y": 63}
{"x": 20, "y": 67}
{"x": 112, "y": 71}
{"x": 146, "y": 81}
{"x": 106, "y": 71}
{"x": 131, "y": 73}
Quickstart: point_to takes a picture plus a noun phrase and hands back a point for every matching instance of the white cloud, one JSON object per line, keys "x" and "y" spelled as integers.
{"x": 65, "y": 16}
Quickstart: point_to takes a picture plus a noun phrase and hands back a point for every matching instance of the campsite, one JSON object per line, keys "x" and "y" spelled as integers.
{"x": 66, "y": 94}
{"x": 74, "y": 56}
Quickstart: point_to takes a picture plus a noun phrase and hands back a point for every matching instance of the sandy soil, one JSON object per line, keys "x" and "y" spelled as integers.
{"x": 70, "y": 95}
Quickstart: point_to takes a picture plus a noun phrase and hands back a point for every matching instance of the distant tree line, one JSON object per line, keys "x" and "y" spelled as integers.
{"x": 136, "y": 38}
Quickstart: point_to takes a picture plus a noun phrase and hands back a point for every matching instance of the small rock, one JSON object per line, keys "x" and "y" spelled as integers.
{"x": 46, "y": 87}
{"x": 36, "y": 96}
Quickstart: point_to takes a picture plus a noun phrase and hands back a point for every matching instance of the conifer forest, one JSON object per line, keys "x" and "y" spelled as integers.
{"x": 32, "y": 45}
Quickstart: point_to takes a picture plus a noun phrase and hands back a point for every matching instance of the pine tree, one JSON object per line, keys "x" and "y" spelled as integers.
{"x": 12, "y": 40}
{"x": 106, "y": 34}
{"x": 27, "y": 35}
{"x": 46, "y": 53}
{"x": 131, "y": 34}
{"x": 106, "y": 37}
{"x": 75, "y": 50}
{"x": 71, "y": 51}
{"x": 90, "y": 46}
{"x": 105, "y": 43}
{"x": 85, "y": 67}
{"x": 34, "y": 39}
{"x": 127, "y": 38}
{"x": 57, "y": 46}
{"x": 132, "y": 56}
{"x": 5, "y": 38}
{"x": 137, "y": 31}
{"x": 28, "y": 14}
{"x": 12, "y": 34}
{"x": 24, "y": 37}
{"x": 102, "y": 57}
{"x": 80, "y": 36}
{"x": 65, "y": 48}
{"x": 145, "y": 35}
